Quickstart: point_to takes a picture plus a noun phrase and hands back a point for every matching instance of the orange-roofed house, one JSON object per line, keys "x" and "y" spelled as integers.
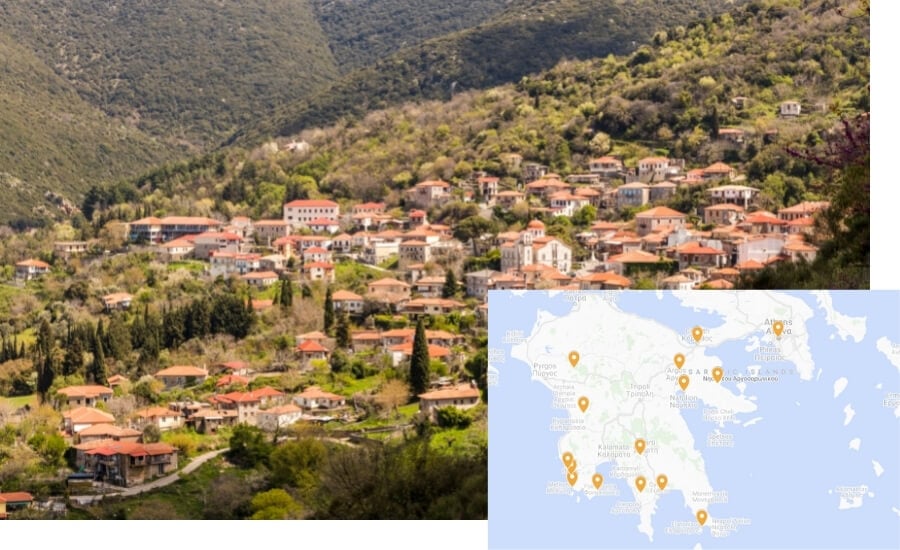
{"x": 10, "y": 502}
{"x": 278, "y": 417}
{"x": 609, "y": 280}
{"x": 260, "y": 279}
{"x": 607, "y": 167}
{"x": 315, "y": 398}
{"x": 75, "y": 420}
{"x": 208, "y": 420}
{"x": 402, "y": 351}
{"x": 430, "y": 287}
{"x": 176, "y": 249}
{"x": 653, "y": 168}
{"x": 633, "y": 261}
{"x": 429, "y": 193}
{"x": 733, "y": 194}
{"x": 117, "y": 301}
{"x": 239, "y": 368}
{"x": 799, "y": 250}
{"x": 632, "y": 194}
{"x": 648, "y": 220}
{"x": 182, "y": 376}
{"x": 723, "y": 214}
{"x": 309, "y": 350}
{"x": 344, "y": 300}
{"x": 696, "y": 254}
{"x": 128, "y": 463}
{"x": 732, "y": 135}
{"x": 390, "y": 286}
{"x": 299, "y": 213}
{"x": 431, "y": 306}
{"x": 462, "y": 396}
{"x": 716, "y": 284}
{"x": 84, "y": 396}
{"x": 718, "y": 171}
{"x": 100, "y": 432}
{"x": 267, "y": 231}
{"x": 163, "y": 418}
{"x": 160, "y": 230}
{"x": 116, "y": 380}
{"x": 764, "y": 222}
{"x": 802, "y": 210}
{"x": 30, "y": 269}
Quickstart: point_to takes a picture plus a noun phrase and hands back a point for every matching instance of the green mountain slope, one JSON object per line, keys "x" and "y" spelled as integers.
{"x": 363, "y": 31}
{"x": 667, "y": 98}
{"x": 528, "y": 37}
{"x": 52, "y": 140}
{"x": 193, "y": 69}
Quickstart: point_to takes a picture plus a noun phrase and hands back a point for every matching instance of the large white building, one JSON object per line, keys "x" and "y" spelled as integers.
{"x": 300, "y": 213}
{"x": 533, "y": 247}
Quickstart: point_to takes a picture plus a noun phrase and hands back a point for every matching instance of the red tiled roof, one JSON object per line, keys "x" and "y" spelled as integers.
{"x": 461, "y": 391}
{"x": 311, "y": 346}
{"x": 315, "y": 392}
{"x": 151, "y": 412}
{"x": 85, "y": 391}
{"x": 311, "y": 203}
{"x": 182, "y": 370}
{"x": 660, "y": 212}
{"x": 88, "y": 415}
{"x": 345, "y": 295}
{"x": 33, "y": 263}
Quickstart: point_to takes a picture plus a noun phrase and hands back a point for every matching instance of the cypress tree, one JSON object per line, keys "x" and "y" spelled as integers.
{"x": 450, "y": 285}
{"x": 342, "y": 333}
{"x": 418, "y": 366}
{"x": 97, "y": 369}
{"x": 328, "y": 313}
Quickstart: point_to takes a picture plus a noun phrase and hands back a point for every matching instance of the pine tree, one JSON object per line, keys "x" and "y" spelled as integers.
{"x": 329, "y": 312}
{"x": 419, "y": 362}
{"x": 450, "y": 285}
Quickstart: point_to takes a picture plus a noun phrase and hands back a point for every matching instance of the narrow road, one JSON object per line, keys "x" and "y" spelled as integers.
{"x": 174, "y": 476}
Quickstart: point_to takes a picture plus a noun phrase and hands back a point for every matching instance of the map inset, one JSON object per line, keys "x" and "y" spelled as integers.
{"x": 716, "y": 419}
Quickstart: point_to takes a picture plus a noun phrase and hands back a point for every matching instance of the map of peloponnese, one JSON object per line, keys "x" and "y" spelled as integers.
{"x": 696, "y": 419}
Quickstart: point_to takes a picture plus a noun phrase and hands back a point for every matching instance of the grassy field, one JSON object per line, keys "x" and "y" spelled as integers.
{"x": 20, "y": 401}
{"x": 184, "y": 499}
{"x": 191, "y": 265}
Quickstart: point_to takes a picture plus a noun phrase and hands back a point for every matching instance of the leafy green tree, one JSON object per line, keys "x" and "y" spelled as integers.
{"x": 151, "y": 434}
{"x": 477, "y": 367}
{"x": 452, "y": 417}
{"x": 248, "y": 447}
{"x": 73, "y": 361}
{"x": 118, "y": 340}
{"x": 419, "y": 362}
{"x": 275, "y": 504}
{"x": 297, "y": 463}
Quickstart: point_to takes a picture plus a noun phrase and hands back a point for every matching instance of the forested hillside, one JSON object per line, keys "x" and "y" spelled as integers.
{"x": 52, "y": 140}
{"x": 188, "y": 69}
{"x": 363, "y": 31}
{"x": 528, "y": 37}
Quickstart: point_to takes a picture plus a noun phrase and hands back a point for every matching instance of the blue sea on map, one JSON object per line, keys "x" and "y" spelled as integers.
{"x": 780, "y": 474}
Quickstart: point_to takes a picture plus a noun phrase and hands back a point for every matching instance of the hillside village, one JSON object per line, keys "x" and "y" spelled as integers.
{"x": 303, "y": 326}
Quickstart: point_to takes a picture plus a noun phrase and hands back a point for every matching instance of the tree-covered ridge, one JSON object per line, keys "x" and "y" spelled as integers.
{"x": 51, "y": 140}
{"x": 190, "y": 69}
{"x": 363, "y": 31}
{"x": 668, "y": 97}
{"x": 528, "y": 37}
